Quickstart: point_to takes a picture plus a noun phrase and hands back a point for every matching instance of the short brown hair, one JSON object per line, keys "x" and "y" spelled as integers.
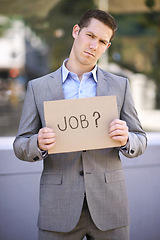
{"x": 100, "y": 15}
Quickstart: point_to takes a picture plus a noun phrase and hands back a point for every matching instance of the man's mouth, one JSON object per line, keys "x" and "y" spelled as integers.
{"x": 89, "y": 53}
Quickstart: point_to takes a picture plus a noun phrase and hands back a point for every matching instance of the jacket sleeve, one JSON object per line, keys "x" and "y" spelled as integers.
{"x": 137, "y": 137}
{"x": 25, "y": 144}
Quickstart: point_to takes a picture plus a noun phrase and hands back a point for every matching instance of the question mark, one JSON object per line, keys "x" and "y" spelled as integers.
{"x": 96, "y": 113}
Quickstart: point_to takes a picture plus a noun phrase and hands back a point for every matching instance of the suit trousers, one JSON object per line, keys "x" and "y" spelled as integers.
{"x": 86, "y": 228}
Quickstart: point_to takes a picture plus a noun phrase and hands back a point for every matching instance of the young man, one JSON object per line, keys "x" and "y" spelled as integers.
{"x": 74, "y": 204}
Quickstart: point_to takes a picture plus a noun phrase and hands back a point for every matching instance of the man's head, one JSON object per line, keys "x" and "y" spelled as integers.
{"x": 100, "y": 15}
{"x": 92, "y": 38}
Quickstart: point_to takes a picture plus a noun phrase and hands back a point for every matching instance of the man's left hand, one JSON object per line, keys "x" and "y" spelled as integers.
{"x": 118, "y": 131}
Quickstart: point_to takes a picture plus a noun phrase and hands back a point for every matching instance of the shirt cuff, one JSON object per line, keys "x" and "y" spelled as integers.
{"x": 43, "y": 153}
{"x": 126, "y": 147}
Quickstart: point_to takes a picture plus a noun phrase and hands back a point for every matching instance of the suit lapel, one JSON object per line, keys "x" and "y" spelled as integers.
{"x": 107, "y": 86}
{"x": 55, "y": 85}
{"x": 103, "y": 86}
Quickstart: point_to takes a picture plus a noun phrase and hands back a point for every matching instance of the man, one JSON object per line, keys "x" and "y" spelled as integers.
{"x": 73, "y": 203}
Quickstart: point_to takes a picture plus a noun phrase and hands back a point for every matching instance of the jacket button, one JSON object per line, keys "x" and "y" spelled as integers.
{"x": 81, "y": 173}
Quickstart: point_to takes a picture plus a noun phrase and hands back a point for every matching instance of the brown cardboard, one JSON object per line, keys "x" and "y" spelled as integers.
{"x": 81, "y": 124}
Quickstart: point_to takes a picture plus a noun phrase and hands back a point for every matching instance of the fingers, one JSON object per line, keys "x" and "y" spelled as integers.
{"x": 46, "y": 138}
{"x": 118, "y": 131}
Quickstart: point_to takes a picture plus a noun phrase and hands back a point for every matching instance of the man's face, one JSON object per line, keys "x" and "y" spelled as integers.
{"x": 91, "y": 42}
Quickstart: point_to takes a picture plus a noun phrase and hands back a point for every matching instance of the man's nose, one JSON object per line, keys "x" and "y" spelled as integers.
{"x": 94, "y": 44}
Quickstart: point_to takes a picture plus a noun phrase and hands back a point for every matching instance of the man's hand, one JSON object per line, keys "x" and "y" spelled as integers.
{"x": 118, "y": 131}
{"x": 46, "y": 138}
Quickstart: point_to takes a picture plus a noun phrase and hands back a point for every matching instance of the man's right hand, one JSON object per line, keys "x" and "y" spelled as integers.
{"x": 46, "y": 138}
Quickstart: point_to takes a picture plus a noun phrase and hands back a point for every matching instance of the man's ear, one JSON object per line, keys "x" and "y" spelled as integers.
{"x": 75, "y": 30}
{"x": 109, "y": 44}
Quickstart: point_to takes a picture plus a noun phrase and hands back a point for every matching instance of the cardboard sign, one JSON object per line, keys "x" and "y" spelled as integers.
{"x": 81, "y": 124}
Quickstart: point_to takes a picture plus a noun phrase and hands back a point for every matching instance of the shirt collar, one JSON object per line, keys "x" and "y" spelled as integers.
{"x": 65, "y": 72}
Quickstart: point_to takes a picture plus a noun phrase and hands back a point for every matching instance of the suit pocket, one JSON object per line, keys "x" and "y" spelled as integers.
{"x": 114, "y": 176}
{"x": 51, "y": 179}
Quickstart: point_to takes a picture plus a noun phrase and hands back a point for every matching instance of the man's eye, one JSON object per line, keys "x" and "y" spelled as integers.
{"x": 90, "y": 35}
{"x": 103, "y": 42}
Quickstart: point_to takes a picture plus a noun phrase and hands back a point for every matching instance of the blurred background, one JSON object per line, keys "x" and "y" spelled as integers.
{"x": 35, "y": 38}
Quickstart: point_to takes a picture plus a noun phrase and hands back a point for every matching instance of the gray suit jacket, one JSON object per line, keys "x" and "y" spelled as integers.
{"x": 62, "y": 185}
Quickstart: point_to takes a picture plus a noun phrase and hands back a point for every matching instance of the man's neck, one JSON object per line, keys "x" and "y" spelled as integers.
{"x": 76, "y": 68}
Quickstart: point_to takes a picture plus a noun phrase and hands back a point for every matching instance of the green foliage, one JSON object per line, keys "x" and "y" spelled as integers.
{"x": 137, "y": 24}
{"x": 150, "y": 3}
{"x": 74, "y": 8}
